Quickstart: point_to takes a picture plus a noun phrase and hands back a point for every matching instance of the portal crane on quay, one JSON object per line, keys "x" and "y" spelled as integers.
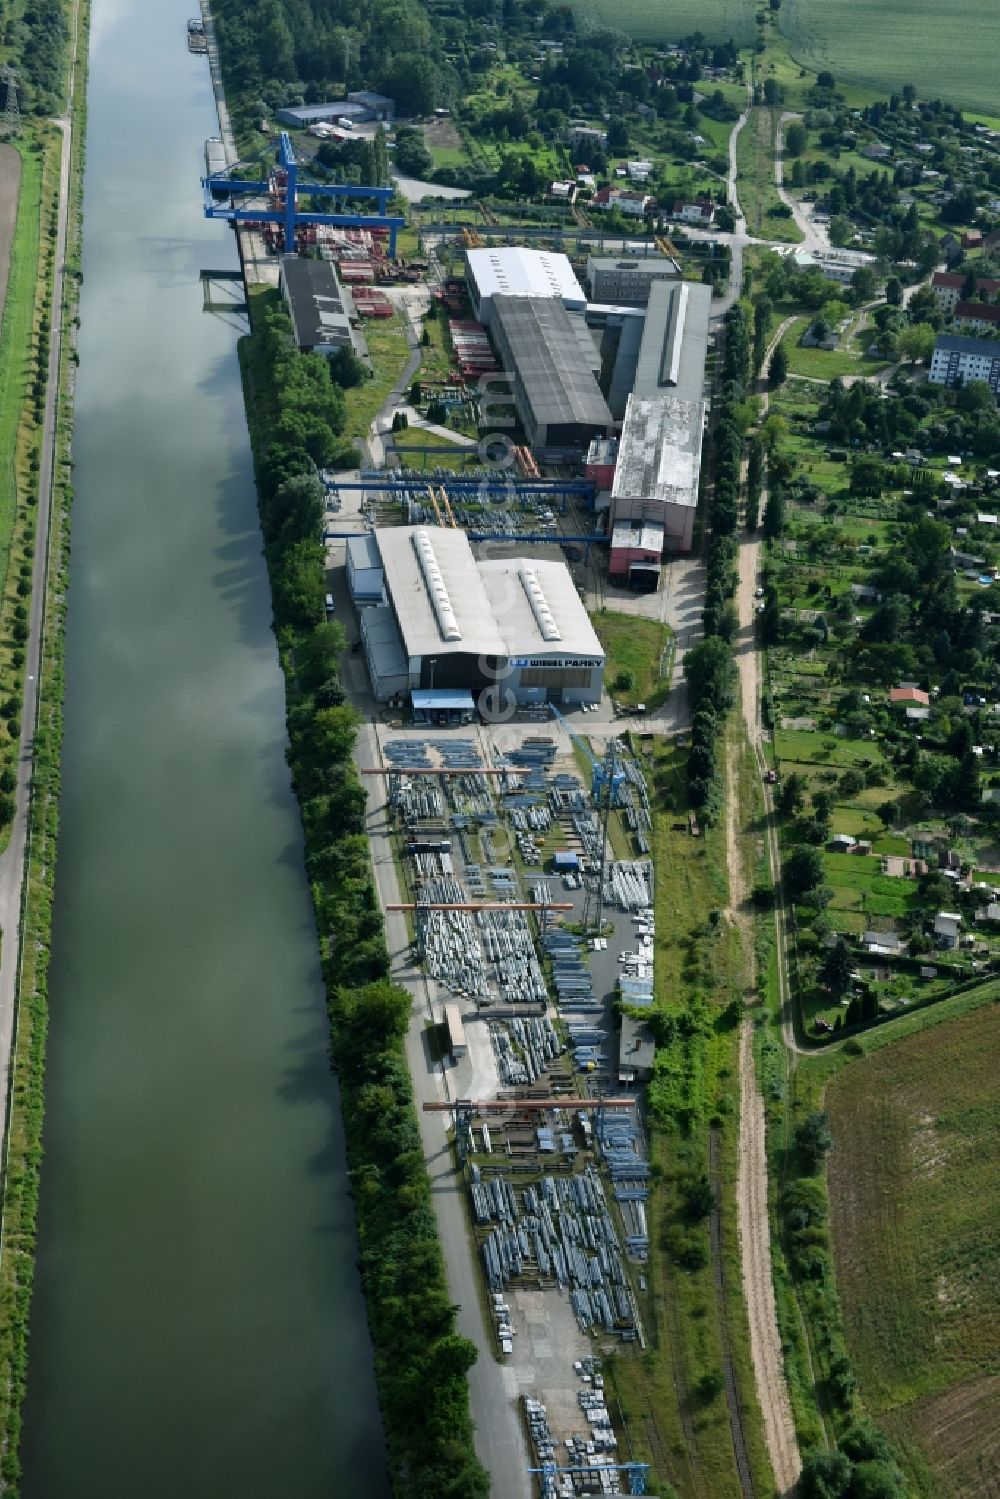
{"x": 232, "y": 198}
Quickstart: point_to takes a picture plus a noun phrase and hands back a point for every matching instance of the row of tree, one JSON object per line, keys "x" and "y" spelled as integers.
{"x": 709, "y": 667}
{"x": 421, "y": 1362}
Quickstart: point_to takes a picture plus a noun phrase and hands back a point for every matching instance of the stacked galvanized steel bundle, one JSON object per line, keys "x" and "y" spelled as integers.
{"x": 563, "y": 1230}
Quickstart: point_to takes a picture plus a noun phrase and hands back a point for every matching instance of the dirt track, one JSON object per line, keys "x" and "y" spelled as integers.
{"x": 10, "y": 189}
{"x": 751, "y": 1188}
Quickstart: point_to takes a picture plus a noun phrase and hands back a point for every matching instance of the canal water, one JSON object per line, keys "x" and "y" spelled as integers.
{"x": 197, "y": 1328}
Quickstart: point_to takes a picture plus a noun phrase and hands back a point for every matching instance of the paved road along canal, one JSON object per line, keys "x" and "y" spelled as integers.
{"x": 198, "y": 1327}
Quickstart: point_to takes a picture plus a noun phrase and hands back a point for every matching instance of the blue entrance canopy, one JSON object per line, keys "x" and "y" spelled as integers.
{"x": 441, "y": 700}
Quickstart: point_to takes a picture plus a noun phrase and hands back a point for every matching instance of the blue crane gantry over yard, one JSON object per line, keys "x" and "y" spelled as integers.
{"x": 223, "y": 190}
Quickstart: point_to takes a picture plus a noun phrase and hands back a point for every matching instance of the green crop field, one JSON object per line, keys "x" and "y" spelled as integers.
{"x": 669, "y": 20}
{"x": 948, "y": 52}
{"x": 915, "y": 1212}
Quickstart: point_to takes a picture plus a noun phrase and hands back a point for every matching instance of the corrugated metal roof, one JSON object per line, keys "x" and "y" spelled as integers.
{"x": 363, "y": 552}
{"x": 550, "y": 362}
{"x": 674, "y": 341}
{"x": 494, "y": 612}
{"x": 509, "y": 270}
{"x": 316, "y": 302}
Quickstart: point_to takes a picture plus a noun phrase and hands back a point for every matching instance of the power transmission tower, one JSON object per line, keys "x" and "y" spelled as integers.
{"x": 12, "y": 111}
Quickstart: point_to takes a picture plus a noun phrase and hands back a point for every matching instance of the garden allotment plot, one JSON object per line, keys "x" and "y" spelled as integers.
{"x": 948, "y": 51}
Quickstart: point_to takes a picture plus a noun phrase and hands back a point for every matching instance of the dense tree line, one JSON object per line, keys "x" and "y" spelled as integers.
{"x": 421, "y": 1361}
{"x": 38, "y": 35}
{"x": 709, "y": 667}
{"x": 296, "y": 413}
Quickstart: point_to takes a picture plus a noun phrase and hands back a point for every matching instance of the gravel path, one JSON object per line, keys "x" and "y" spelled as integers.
{"x": 752, "y": 1184}
{"x": 13, "y": 862}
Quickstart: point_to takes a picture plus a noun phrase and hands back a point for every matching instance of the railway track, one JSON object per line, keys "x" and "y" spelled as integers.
{"x": 728, "y": 1373}
{"x": 695, "y": 1475}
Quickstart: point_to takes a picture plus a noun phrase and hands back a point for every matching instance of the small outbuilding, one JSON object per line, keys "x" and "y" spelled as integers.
{"x": 636, "y": 1052}
{"x": 364, "y": 570}
{"x": 947, "y": 925}
{"x": 906, "y": 692}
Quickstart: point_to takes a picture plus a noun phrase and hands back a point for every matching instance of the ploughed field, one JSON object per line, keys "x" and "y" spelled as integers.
{"x": 915, "y": 1212}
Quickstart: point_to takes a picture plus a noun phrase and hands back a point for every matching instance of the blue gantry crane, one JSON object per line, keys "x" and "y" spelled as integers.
{"x": 232, "y": 198}
{"x": 600, "y": 770}
{"x": 636, "y": 1473}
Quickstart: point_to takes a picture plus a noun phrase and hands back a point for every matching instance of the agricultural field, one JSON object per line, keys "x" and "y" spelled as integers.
{"x": 946, "y": 54}
{"x": 915, "y": 1214}
{"x": 669, "y": 20}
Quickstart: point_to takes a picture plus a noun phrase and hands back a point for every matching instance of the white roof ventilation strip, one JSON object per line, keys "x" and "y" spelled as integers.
{"x": 436, "y": 590}
{"x": 544, "y": 618}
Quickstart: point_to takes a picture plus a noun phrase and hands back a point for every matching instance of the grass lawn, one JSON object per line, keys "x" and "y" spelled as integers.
{"x": 430, "y": 457}
{"x": 858, "y": 884}
{"x": 915, "y": 1211}
{"x": 829, "y": 364}
{"x": 634, "y": 645}
{"x": 386, "y": 340}
{"x": 435, "y": 357}
{"x": 15, "y": 342}
{"x": 755, "y": 185}
{"x": 812, "y": 747}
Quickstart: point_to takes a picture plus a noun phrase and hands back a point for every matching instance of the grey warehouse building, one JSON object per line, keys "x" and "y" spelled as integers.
{"x": 666, "y": 353}
{"x": 550, "y": 358}
{"x": 360, "y": 106}
{"x": 454, "y": 624}
{"x": 659, "y": 454}
{"x": 658, "y": 470}
{"x": 317, "y": 304}
{"x": 626, "y": 283}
